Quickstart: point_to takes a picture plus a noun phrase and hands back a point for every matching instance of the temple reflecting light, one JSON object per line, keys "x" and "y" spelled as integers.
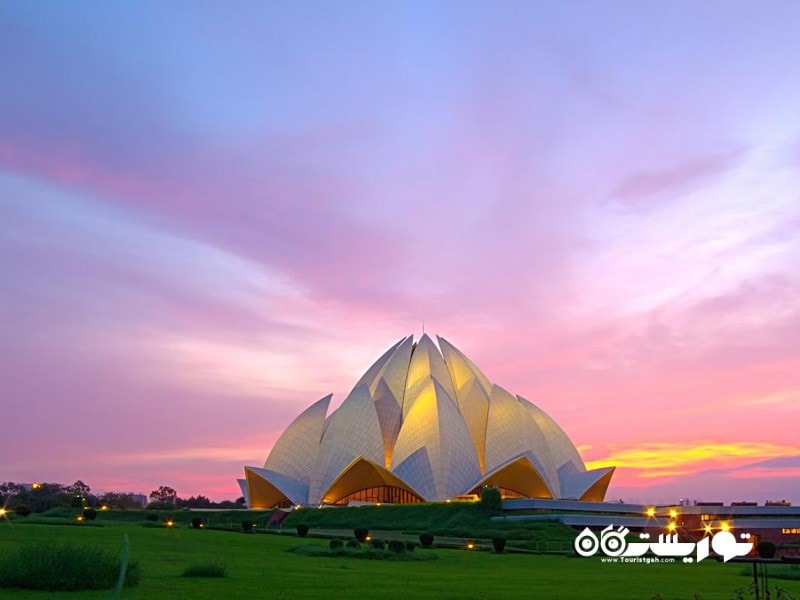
{"x": 362, "y": 459}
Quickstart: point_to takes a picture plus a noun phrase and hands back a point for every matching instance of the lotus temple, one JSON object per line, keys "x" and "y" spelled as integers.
{"x": 423, "y": 424}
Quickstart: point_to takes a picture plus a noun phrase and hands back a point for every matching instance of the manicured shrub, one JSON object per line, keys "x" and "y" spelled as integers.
{"x": 499, "y": 544}
{"x": 197, "y": 523}
{"x": 397, "y": 546}
{"x": 426, "y": 539}
{"x": 410, "y": 546}
{"x": 353, "y": 544}
{"x": 321, "y": 551}
{"x": 22, "y": 510}
{"x": 335, "y": 544}
{"x": 152, "y": 517}
{"x": 766, "y": 549}
{"x": 247, "y": 526}
{"x": 302, "y": 530}
{"x": 211, "y": 568}
{"x": 361, "y": 534}
{"x": 63, "y": 568}
{"x": 89, "y": 514}
{"x": 377, "y": 544}
{"x": 491, "y": 499}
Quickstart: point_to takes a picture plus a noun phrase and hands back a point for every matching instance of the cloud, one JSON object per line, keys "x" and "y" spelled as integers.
{"x": 771, "y": 479}
{"x": 234, "y": 454}
{"x": 689, "y": 174}
{"x": 668, "y": 459}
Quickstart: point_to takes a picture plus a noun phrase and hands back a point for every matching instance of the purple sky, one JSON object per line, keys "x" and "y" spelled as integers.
{"x": 213, "y": 214}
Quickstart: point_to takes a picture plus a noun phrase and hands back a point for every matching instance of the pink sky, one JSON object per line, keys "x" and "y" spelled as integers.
{"x": 210, "y": 218}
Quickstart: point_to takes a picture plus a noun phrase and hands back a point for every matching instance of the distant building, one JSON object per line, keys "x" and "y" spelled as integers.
{"x": 776, "y": 522}
{"x": 140, "y": 499}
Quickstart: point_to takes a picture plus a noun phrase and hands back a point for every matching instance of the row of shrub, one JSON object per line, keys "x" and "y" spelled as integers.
{"x": 354, "y": 549}
{"x": 361, "y": 536}
{"x": 396, "y": 546}
{"x": 426, "y": 540}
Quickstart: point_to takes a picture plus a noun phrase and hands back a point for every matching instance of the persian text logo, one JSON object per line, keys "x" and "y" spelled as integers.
{"x": 614, "y": 544}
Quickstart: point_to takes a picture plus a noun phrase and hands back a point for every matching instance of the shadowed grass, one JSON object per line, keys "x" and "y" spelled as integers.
{"x": 207, "y": 568}
{"x": 63, "y": 567}
{"x": 791, "y": 572}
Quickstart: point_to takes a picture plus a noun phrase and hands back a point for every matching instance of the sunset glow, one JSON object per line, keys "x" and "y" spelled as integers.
{"x": 228, "y": 214}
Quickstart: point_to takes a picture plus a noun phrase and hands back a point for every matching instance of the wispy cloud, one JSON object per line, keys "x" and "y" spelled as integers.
{"x": 638, "y": 187}
{"x": 233, "y": 454}
{"x": 671, "y": 459}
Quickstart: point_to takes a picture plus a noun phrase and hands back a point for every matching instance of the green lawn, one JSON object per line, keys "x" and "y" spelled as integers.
{"x": 258, "y": 567}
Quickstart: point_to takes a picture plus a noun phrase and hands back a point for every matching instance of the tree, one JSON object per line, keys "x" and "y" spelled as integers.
{"x": 9, "y": 489}
{"x": 115, "y": 500}
{"x": 43, "y": 496}
{"x": 163, "y": 497}
{"x": 78, "y": 489}
{"x": 196, "y": 502}
{"x": 491, "y": 499}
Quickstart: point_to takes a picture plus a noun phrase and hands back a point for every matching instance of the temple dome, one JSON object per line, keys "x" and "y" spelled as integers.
{"x": 421, "y": 425}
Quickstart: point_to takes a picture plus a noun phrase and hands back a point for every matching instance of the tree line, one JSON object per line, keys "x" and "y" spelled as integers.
{"x": 39, "y": 497}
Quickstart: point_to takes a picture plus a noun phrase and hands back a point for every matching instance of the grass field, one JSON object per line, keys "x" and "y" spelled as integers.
{"x": 259, "y": 567}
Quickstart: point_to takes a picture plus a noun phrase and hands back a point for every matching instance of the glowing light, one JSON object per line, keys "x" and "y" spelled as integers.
{"x": 378, "y": 504}
{"x": 470, "y": 545}
{"x": 708, "y": 528}
{"x": 36, "y": 486}
{"x": 79, "y": 519}
{"x": 725, "y": 526}
{"x": 651, "y": 512}
{"x": 2, "y": 512}
{"x": 672, "y": 526}
{"x": 104, "y": 507}
{"x": 170, "y": 523}
{"x": 368, "y": 538}
{"x": 673, "y": 513}
{"x": 448, "y": 501}
{"x": 297, "y": 507}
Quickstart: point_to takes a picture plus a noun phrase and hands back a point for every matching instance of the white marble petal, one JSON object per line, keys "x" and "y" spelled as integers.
{"x": 353, "y": 431}
{"x": 295, "y": 452}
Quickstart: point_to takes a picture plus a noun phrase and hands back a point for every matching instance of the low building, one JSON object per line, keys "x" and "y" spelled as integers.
{"x": 777, "y": 523}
